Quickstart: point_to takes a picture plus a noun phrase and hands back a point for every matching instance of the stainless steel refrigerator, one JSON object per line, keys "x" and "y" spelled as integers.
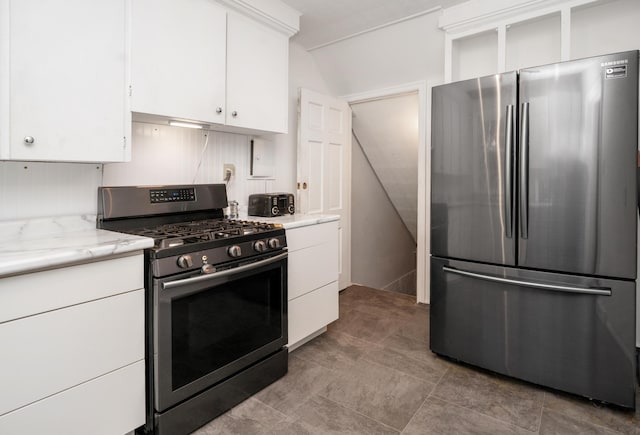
{"x": 533, "y": 224}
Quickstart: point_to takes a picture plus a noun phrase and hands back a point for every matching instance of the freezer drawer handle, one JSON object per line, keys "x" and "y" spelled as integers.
{"x": 557, "y": 288}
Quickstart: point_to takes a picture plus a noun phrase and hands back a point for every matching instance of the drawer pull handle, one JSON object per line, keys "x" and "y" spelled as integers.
{"x": 539, "y": 285}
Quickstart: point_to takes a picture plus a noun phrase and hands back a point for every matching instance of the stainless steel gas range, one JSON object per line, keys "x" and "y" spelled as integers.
{"x": 216, "y": 300}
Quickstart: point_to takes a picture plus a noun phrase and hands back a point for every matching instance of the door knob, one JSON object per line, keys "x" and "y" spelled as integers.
{"x": 219, "y": 110}
{"x": 304, "y": 185}
{"x": 234, "y": 113}
{"x": 29, "y": 139}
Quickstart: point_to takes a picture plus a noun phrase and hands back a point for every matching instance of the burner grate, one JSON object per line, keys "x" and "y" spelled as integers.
{"x": 183, "y": 233}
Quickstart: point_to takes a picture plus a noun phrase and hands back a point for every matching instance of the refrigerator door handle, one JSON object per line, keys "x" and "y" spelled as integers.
{"x": 524, "y": 171}
{"x": 552, "y": 287}
{"x": 508, "y": 171}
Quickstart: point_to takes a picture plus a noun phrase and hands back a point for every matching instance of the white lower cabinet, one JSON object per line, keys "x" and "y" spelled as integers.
{"x": 312, "y": 312}
{"x": 112, "y": 404}
{"x": 73, "y": 355}
{"x": 313, "y": 280}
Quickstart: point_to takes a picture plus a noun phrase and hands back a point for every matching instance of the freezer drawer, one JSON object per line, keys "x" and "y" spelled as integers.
{"x": 566, "y": 332}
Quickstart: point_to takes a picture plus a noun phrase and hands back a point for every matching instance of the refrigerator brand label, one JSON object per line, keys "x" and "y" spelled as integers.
{"x": 615, "y": 62}
{"x": 616, "y": 72}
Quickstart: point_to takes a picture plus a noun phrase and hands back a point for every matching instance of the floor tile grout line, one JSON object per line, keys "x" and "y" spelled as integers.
{"x": 413, "y": 358}
{"x": 544, "y": 401}
{"x": 582, "y": 421}
{"x": 365, "y": 356}
{"x": 357, "y": 412}
{"x": 484, "y": 415}
{"x": 555, "y": 411}
{"x": 478, "y": 412}
{"x": 443, "y": 375}
{"x": 286, "y": 417}
{"x": 397, "y": 371}
{"x": 419, "y": 408}
{"x": 359, "y": 338}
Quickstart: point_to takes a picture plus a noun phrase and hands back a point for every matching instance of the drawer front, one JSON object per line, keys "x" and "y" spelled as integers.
{"x": 312, "y": 268}
{"x": 313, "y": 311}
{"x": 33, "y": 293}
{"x": 573, "y": 341}
{"x": 112, "y": 404}
{"x": 50, "y": 352}
{"x": 312, "y": 235}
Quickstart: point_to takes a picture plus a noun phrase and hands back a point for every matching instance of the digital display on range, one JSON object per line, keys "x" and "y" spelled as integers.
{"x": 172, "y": 195}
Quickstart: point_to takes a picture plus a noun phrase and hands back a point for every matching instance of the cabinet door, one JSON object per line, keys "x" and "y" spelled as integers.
{"x": 67, "y": 80}
{"x": 257, "y": 75}
{"x": 53, "y": 351}
{"x": 110, "y": 404}
{"x": 178, "y": 59}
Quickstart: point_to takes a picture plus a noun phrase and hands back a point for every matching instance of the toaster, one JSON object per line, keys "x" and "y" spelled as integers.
{"x": 271, "y": 204}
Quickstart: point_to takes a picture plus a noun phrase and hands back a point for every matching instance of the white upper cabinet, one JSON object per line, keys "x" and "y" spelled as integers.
{"x": 178, "y": 50}
{"x": 63, "y": 85}
{"x": 257, "y": 75}
{"x": 213, "y": 63}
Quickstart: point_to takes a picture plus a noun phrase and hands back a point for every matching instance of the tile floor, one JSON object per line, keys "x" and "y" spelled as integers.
{"x": 372, "y": 373}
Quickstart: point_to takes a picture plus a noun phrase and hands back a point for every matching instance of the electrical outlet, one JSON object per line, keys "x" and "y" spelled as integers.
{"x": 228, "y": 171}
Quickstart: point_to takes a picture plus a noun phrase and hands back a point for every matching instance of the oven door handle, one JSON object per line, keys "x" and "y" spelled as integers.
{"x": 228, "y": 272}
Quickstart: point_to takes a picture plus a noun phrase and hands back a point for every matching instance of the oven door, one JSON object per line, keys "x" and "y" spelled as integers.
{"x": 208, "y": 327}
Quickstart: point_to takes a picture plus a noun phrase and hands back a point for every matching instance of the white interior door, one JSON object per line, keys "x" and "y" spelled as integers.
{"x": 324, "y": 166}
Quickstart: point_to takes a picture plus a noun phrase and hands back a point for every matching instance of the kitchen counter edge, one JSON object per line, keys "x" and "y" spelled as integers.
{"x": 37, "y": 244}
{"x": 290, "y": 222}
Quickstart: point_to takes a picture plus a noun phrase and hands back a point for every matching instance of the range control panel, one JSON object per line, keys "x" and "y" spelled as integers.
{"x": 172, "y": 195}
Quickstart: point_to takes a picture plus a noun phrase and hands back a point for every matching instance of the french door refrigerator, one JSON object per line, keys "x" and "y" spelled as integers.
{"x": 533, "y": 224}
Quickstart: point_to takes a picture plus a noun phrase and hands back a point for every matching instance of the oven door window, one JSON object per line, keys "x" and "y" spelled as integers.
{"x": 227, "y": 322}
{"x": 209, "y": 330}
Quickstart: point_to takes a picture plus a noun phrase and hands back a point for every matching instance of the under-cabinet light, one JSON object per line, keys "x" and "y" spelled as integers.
{"x": 184, "y": 124}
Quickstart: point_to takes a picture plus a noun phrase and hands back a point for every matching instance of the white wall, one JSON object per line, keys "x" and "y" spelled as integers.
{"x": 605, "y": 28}
{"x": 382, "y": 250}
{"x": 475, "y": 56}
{"x": 601, "y": 27}
{"x": 170, "y": 155}
{"x": 387, "y": 129}
{"x": 36, "y": 189}
{"x": 534, "y": 42}
{"x": 406, "y": 52}
{"x": 303, "y": 72}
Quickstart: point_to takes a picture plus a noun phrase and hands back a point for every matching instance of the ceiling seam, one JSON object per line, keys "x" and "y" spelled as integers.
{"x": 372, "y": 29}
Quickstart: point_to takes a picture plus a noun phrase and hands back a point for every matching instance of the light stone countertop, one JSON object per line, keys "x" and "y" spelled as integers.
{"x": 294, "y": 220}
{"x": 35, "y": 244}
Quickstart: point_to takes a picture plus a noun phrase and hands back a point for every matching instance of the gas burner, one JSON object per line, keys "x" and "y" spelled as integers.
{"x": 191, "y": 232}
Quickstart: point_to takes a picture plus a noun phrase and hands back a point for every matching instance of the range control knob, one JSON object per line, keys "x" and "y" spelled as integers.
{"x": 234, "y": 251}
{"x": 260, "y": 246}
{"x": 275, "y": 211}
{"x": 185, "y": 261}
{"x": 274, "y": 243}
